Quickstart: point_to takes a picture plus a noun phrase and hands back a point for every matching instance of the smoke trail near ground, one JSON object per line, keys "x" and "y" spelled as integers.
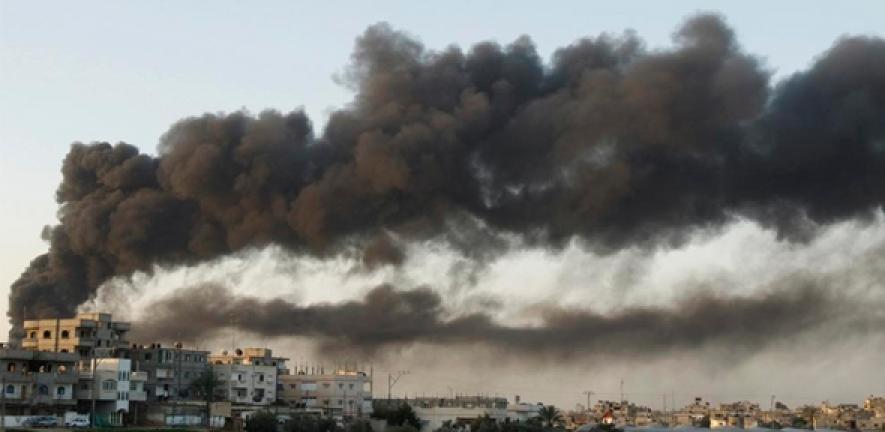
{"x": 387, "y": 318}
{"x": 610, "y": 143}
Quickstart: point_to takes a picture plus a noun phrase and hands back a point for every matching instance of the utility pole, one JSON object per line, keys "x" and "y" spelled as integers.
{"x": 391, "y": 381}
{"x": 589, "y": 394}
{"x": 622, "y": 390}
{"x": 95, "y": 363}
{"x": 3, "y": 404}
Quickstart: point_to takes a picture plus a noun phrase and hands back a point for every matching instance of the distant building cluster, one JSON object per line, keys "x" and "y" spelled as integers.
{"x": 84, "y": 370}
{"x": 85, "y": 366}
{"x": 735, "y": 415}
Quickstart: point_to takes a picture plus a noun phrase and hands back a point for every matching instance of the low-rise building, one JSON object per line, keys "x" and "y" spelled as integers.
{"x": 521, "y": 412}
{"x": 341, "y": 393}
{"x": 460, "y": 410}
{"x": 35, "y": 382}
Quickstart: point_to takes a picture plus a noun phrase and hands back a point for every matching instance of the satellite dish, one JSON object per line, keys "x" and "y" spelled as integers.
{"x": 239, "y": 352}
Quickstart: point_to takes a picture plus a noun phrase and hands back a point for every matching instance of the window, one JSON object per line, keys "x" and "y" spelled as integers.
{"x": 60, "y": 391}
{"x": 10, "y": 367}
{"x": 47, "y": 334}
{"x": 147, "y": 356}
{"x": 108, "y": 385}
{"x": 340, "y": 402}
{"x": 64, "y": 350}
{"x": 65, "y": 334}
{"x": 33, "y": 335}
{"x": 351, "y": 386}
{"x": 10, "y": 389}
{"x": 261, "y": 377}
{"x": 187, "y": 374}
{"x": 340, "y": 386}
{"x": 133, "y": 386}
{"x": 43, "y": 389}
{"x": 84, "y": 386}
{"x": 187, "y": 357}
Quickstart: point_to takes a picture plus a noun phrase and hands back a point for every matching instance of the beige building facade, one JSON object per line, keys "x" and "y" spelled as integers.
{"x": 342, "y": 393}
{"x": 87, "y": 335}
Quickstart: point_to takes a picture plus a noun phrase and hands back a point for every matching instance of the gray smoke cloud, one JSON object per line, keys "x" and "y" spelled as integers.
{"x": 389, "y": 318}
{"x": 610, "y": 142}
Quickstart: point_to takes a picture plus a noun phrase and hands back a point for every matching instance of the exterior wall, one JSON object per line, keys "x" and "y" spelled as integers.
{"x": 88, "y": 335}
{"x": 248, "y": 384}
{"x": 169, "y": 371}
{"x": 340, "y": 394}
{"x": 109, "y": 382}
{"x": 432, "y": 418}
{"x": 35, "y": 381}
{"x": 521, "y": 412}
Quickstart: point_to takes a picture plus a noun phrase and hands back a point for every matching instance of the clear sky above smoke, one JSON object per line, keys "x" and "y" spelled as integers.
{"x": 125, "y": 72}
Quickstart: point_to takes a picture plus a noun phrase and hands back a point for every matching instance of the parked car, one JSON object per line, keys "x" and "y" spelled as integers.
{"x": 41, "y": 421}
{"x": 77, "y": 422}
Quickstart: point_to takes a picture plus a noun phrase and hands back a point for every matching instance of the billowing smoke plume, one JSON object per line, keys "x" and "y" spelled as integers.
{"x": 609, "y": 143}
{"x": 387, "y": 318}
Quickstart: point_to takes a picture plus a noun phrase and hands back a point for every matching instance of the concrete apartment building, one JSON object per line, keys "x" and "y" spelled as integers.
{"x": 36, "y": 382}
{"x": 170, "y": 370}
{"x": 249, "y": 376}
{"x": 111, "y": 383}
{"x": 342, "y": 393}
{"x": 87, "y": 335}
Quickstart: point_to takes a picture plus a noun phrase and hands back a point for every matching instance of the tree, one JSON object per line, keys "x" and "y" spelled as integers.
{"x": 359, "y": 426}
{"x": 550, "y": 415}
{"x": 205, "y": 387}
{"x": 401, "y": 415}
{"x": 262, "y": 421}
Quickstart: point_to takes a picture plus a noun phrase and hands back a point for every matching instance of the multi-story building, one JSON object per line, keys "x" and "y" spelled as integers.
{"x": 247, "y": 384}
{"x": 36, "y": 382}
{"x": 170, "y": 370}
{"x": 87, "y": 335}
{"x": 107, "y": 385}
{"x": 249, "y": 376}
{"x": 341, "y": 393}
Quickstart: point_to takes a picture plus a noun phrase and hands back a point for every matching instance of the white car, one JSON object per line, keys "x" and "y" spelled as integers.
{"x": 77, "y": 422}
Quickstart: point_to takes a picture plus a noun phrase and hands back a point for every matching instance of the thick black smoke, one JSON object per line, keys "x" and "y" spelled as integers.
{"x": 388, "y": 318}
{"x": 610, "y": 143}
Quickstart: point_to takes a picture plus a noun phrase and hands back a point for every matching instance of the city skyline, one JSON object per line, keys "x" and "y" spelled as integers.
{"x": 688, "y": 200}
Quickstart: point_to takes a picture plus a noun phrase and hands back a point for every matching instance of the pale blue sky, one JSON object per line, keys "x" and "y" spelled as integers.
{"x": 125, "y": 70}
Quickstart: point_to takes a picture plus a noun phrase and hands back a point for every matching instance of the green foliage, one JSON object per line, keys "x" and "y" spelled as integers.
{"x": 205, "y": 386}
{"x": 311, "y": 423}
{"x": 705, "y": 422}
{"x": 550, "y": 415}
{"x": 400, "y": 415}
{"x": 359, "y": 426}
{"x": 262, "y": 421}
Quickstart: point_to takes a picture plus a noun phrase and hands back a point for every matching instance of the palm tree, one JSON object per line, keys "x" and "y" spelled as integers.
{"x": 550, "y": 415}
{"x": 204, "y": 386}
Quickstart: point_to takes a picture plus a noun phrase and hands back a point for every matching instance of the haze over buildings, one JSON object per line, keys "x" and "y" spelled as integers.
{"x": 621, "y": 205}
